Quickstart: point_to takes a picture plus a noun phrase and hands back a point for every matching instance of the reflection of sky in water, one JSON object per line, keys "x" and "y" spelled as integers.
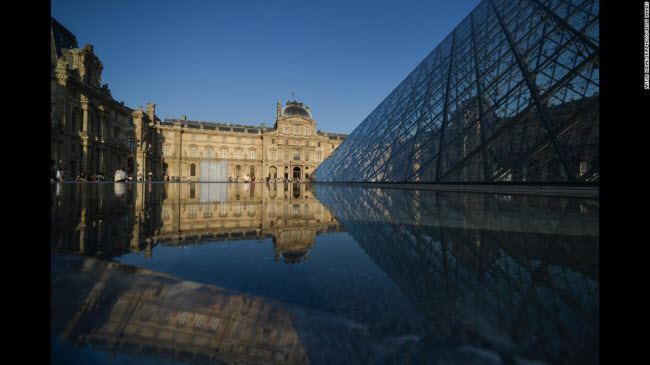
{"x": 339, "y": 278}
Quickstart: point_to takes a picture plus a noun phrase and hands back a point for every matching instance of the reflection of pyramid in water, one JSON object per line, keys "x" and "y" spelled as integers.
{"x": 511, "y": 94}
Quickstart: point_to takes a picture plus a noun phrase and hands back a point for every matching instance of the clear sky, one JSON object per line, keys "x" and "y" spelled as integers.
{"x": 232, "y": 61}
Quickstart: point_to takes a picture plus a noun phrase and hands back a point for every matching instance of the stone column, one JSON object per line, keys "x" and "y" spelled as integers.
{"x": 84, "y": 107}
{"x": 102, "y": 167}
{"x": 101, "y": 127}
{"x": 84, "y": 134}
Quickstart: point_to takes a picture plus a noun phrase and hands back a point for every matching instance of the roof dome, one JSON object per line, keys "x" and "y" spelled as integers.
{"x": 294, "y": 108}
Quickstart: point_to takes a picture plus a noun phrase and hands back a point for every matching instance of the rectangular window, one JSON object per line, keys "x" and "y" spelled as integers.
{"x": 296, "y": 130}
{"x": 194, "y": 137}
{"x": 209, "y": 138}
{"x": 239, "y": 154}
{"x": 131, "y": 141}
{"x": 165, "y": 150}
{"x": 286, "y": 155}
{"x": 286, "y": 129}
{"x": 306, "y": 156}
{"x": 272, "y": 155}
{"x": 224, "y": 153}
{"x": 193, "y": 151}
{"x": 318, "y": 156}
{"x": 296, "y": 155}
{"x": 208, "y": 152}
{"x": 252, "y": 155}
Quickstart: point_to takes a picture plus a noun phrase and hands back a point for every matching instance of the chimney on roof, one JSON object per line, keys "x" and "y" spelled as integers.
{"x": 279, "y": 108}
{"x": 309, "y": 108}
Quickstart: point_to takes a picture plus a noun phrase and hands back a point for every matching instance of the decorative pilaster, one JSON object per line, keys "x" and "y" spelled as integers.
{"x": 84, "y": 106}
{"x": 102, "y": 127}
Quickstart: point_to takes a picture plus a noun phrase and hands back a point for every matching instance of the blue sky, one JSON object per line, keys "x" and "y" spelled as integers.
{"x": 232, "y": 61}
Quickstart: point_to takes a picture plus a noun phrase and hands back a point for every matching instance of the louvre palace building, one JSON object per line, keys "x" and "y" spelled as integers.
{"x": 92, "y": 132}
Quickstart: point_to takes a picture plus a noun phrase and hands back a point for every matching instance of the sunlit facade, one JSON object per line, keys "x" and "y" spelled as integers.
{"x": 512, "y": 94}
{"x": 92, "y": 132}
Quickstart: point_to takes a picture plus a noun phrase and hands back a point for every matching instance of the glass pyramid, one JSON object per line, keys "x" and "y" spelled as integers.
{"x": 512, "y": 94}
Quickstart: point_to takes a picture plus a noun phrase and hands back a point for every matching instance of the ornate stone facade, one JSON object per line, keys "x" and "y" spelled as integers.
{"x": 89, "y": 130}
{"x": 94, "y": 133}
{"x": 292, "y": 149}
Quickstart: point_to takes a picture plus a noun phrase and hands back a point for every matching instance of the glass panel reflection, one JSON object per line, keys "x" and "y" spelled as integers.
{"x": 512, "y": 94}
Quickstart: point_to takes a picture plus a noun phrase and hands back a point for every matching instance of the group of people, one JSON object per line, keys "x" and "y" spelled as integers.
{"x": 82, "y": 176}
{"x": 58, "y": 174}
{"x": 247, "y": 178}
{"x": 268, "y": 179}
{"x": 149, "y": 177}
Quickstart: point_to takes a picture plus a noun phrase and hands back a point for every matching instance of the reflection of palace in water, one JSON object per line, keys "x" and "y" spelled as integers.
{"x": 111, "y": 219}
{"x": 127, "y": 310}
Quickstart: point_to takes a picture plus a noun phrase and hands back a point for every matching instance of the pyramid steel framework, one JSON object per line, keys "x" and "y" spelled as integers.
{"x": 512, "y": 94}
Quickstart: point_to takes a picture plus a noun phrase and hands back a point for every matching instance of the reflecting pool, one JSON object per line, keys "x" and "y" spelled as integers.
{"x": 176, "y": 273}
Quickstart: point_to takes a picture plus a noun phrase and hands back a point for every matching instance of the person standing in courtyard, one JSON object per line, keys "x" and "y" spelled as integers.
{"x": 59, "y": 174}
{"x": 120, "y": 175}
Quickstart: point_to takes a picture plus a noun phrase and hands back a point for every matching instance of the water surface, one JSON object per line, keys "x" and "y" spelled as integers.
{"x": 321, "y": 274}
